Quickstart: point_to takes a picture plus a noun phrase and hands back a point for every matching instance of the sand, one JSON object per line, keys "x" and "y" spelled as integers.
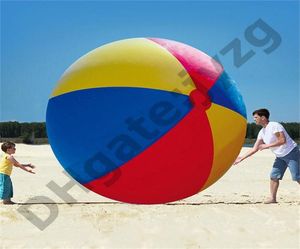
{"x": 229, "y": 214}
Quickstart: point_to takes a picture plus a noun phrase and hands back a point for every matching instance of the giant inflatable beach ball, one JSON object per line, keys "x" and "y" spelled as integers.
{"x": 146, "y": 120}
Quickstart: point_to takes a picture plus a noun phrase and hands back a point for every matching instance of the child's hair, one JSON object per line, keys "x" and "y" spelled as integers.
{"x": 262, "y": 112}
{"x": 7, "y": 145}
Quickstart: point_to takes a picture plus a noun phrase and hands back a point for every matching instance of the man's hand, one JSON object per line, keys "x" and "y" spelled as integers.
{"x": 238, "y": 160}
{"x": 263, "y": 146}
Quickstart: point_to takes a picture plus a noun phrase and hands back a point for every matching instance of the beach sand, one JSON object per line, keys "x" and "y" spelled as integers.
{"x": 229, "y": 214}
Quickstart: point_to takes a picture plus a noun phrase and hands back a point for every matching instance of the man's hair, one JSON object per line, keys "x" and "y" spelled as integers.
{"x": 7, "y": 145}
{"x": 262, "y": 112}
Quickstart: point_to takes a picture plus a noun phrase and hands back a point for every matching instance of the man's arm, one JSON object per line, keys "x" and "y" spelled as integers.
{"x": 253, "y": 150}
{"x": 280, "y": 141}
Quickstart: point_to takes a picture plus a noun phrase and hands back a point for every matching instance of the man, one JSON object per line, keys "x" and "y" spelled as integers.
{"x": 274, "y": 136}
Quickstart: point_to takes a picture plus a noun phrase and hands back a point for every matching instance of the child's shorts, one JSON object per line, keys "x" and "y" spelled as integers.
{"x": 291, "y": 160}
{"x": 6, "y": 187}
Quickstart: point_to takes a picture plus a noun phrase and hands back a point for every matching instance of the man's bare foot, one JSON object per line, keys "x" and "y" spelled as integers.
{"x": 8, "y": 203}
{"x": 270, "y": 201}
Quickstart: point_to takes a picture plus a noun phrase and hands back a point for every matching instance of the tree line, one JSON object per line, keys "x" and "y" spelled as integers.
{"x": 36, "y": 131}
{"x": 23, "y": 132}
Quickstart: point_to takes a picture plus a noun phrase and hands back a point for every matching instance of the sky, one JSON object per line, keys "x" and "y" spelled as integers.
{"x": 41, "y": 39}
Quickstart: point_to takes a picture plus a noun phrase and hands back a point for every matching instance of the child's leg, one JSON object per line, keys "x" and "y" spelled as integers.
{"x": 6, "y": 189}
{"x": 8, "y": 202}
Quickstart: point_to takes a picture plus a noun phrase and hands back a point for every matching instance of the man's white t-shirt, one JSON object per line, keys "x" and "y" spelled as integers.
{"x": 267, "y": 134}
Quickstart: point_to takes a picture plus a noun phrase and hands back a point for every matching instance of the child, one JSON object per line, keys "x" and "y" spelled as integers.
{"x": 6, "y": 164}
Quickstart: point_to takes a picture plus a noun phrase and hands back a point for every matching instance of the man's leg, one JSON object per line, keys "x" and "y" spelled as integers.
{"x": 277, "y": 173}
{"x": 274, "y": 184}
{"x": 293, "y": 162}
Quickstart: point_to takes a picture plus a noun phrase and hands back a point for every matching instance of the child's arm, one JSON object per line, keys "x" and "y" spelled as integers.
{"x": 22, "y": 166}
